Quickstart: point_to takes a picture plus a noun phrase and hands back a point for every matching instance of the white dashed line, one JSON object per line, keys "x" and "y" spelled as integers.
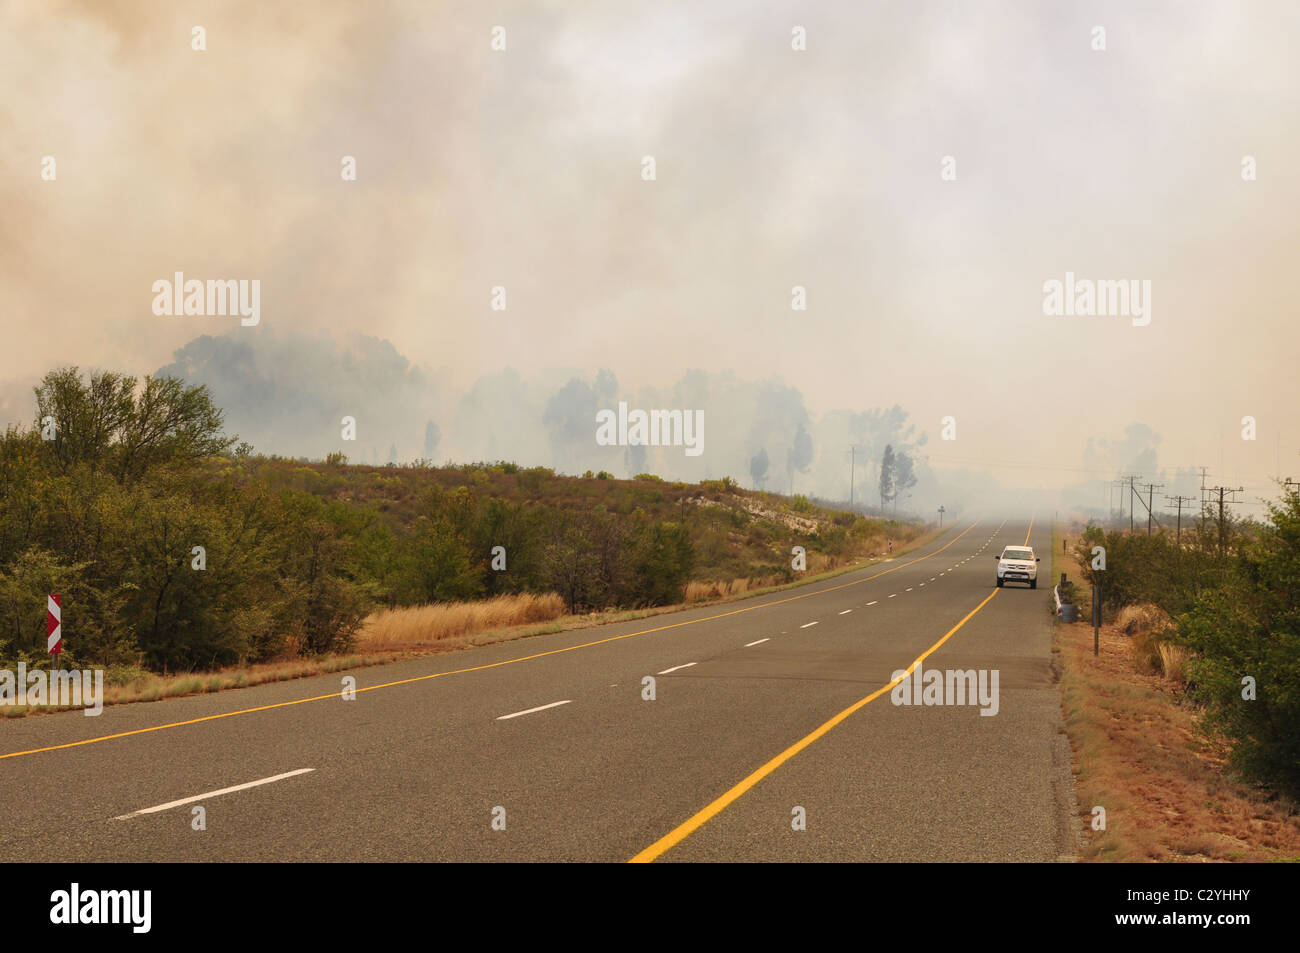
{"x": 873, "y": 602}
{"x": 759, "y": 642}
{"x": 200, "y": 797}
{"x": 806, "y": 624}
{"x": 908, "y": 589}
{"x": 529, "y": 711}
{"x": 846, "y": 612}
{"x": 892, "y": 594}
{"x": 675, "y": 668}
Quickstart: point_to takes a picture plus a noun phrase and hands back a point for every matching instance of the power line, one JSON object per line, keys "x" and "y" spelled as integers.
{"x": 1221, "y": 490}
{"x": 1117, "y": 484}
{"x": 1131, "y": 478}
{"x": 853, "y": 466}
{"x": 1180, "y": 500}
{"x": 1151, "y": 487}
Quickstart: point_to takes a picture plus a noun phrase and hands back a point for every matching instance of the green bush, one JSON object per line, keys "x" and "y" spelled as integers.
{"x": 1249, "y": 627}
{"x": 1142, "y": 568}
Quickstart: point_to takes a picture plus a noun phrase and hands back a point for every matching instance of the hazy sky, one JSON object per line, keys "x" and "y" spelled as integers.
{"x": 775, "y": 168}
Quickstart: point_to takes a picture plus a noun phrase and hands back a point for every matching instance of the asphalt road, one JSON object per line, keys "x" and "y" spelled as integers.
{"x": 714, "y": 768}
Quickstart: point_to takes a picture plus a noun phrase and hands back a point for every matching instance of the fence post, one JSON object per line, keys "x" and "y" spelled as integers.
{"x": 1096, "y": 618}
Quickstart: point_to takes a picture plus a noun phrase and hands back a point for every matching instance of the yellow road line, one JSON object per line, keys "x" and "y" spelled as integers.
{"x": 681, "y": 832}
{"x": 479, "y": 668}
{"x": 1030, "y": 530}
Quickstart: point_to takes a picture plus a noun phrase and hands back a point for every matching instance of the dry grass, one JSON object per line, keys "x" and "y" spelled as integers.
{"x": 702, "y": 591}
{"x": 1139, "y": 754}
{"x": 706, "y": 591}
{"x": 421, "y": 625}
{"x": 1149, "y": 627}
{"x": 817, "y": 564}
{"x": 1173, "y": 662}
{"x": 1144, "y": 617}
{"x": 142, "y": 686}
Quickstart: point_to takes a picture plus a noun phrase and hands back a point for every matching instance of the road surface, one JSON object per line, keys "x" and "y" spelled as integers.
{"x": 769, "y": 714}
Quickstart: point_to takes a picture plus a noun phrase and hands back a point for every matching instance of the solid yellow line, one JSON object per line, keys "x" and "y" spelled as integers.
{"x": 479, "y": 668}
{"x": 680, "y": 833}
{"x": 1030, "y": 530}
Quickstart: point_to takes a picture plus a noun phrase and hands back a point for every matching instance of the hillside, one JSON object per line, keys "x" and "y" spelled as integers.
{"x": 539, "y": 516}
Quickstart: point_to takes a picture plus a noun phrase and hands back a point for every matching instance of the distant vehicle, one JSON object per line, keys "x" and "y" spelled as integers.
{"x": 1018, "y": 564}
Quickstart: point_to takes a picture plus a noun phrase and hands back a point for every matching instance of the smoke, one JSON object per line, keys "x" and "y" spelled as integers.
{"x": 818, "y": 168}
{"x": 290, "y": 393}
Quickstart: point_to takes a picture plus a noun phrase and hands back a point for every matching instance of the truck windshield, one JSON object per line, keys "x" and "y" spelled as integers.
{"x": 1017, "y": 554}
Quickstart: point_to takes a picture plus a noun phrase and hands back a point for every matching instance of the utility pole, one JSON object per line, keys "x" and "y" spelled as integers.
{"x": 853, "y": 467}
{"x": 1131, "y": 493}
{"x": 1222, "y": 490}
{"x": 1180, "y": 500}
{"x": 1204, "y": 470}
{"x": 1117, "y": 483}
{"x": 1151, "y": 487}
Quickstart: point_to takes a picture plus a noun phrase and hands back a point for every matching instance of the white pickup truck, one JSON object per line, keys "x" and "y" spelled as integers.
{"x": 1018, "y": 563}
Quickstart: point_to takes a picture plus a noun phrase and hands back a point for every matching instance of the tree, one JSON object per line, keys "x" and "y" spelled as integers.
{"x": 106, "y": 425}
{"x": 888, "y": 476}
{"x": 904, "y": 475}
{"x": 86, "y": 418}
{"x": 664, "y": 559}
{"x": 800, "y": 454}
{"x": 1249, "y": 626}
{"x": 758, "y": 465}
{"x": 170, "y": 424}
{"x": 571, "y": 567}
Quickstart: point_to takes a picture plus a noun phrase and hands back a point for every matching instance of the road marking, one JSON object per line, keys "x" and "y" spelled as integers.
{"x": 684, "y": 830}
{"x": 675, "y": 668}
{"x": 923, "y": 584}
{"x": 806, "y": 624}
{"x": 892, "y": 594}
{"x": 199, "y": 797}
{"x": 1031, "y": 528}
{"x": 846, "y": 612}
{"x": 873, "y": 602}
{"x": 333, "y": 696}
{"x": 529, "y": 711}
{"x": 908, "y": 589}
{"x": 759, "y": 642}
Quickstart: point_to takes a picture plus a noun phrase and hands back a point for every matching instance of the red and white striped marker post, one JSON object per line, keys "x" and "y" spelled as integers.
{"x": 54, "y": 643}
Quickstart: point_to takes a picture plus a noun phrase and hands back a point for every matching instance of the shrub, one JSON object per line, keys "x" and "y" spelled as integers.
{"x": 1249, "y": 627}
